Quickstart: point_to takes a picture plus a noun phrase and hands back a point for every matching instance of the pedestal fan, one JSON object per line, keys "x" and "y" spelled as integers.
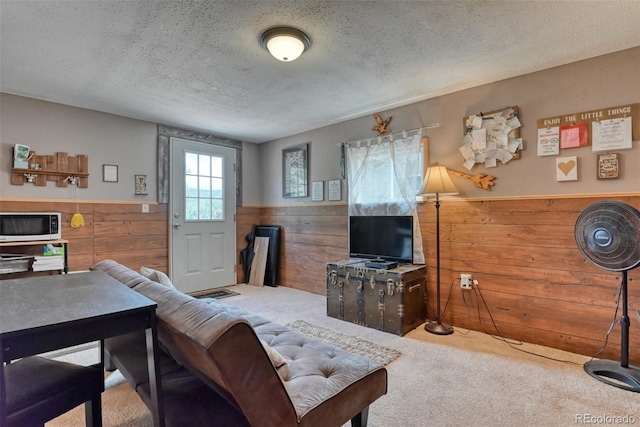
{"x": 608, "y": 234}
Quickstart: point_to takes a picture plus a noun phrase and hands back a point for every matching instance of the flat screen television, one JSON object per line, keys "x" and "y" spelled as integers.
{"x": 389, "y": 238}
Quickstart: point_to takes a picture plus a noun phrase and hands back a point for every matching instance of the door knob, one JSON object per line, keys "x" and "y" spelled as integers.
{"x": 177, "y": 226}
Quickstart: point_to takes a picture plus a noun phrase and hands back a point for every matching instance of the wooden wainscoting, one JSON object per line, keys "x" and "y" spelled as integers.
{"x": 118, "y": 231}
{"x": 311, "y": 237}
{"x": 534, "y": 283}
{"x": 126, "y": 235}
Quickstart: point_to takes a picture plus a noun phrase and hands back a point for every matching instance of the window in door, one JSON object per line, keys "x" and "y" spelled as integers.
{"x": 204, "y": 184}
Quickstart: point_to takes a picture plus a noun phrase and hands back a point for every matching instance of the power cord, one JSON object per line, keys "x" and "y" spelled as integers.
{"x": 614, "y": 321}
{"x": 511, "y": 343}
{"x": 444, "y": 310}
{"x": 446, "y": 304}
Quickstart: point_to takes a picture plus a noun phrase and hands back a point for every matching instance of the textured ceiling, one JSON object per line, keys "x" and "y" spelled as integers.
{"x": 199, "y": 65}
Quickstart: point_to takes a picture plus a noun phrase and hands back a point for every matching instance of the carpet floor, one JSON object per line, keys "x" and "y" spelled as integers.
{"x": 468, "y": 378}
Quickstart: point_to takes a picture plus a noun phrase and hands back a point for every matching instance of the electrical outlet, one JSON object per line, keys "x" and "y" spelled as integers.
{"x": 465, "y": 281}
{"x": 145, "y": 208}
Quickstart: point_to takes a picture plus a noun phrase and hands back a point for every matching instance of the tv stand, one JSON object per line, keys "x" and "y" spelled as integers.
{"x": 391, "y": 300}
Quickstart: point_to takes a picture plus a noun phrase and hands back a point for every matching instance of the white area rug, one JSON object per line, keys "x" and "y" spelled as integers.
{"x": 355, "y": 345}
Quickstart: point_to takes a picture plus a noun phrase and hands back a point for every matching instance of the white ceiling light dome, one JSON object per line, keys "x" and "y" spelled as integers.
{"x": 285, "y": 43}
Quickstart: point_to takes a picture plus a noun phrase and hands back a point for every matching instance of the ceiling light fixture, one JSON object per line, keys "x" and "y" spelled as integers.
{"x": 285, "y": 43}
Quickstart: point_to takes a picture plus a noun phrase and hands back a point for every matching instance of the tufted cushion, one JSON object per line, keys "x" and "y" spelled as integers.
{"x": 221, "y": 345}
{"x": 317, "y": 371}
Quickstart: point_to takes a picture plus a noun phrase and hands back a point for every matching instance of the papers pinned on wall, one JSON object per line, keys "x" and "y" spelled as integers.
{"x": 491, "y": 138}
{"x": 613, "y": 134}
{"x": 549, "y": 141}
{"x": 605, "y": 129}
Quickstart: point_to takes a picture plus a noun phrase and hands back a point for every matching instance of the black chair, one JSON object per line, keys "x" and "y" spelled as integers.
{"x": 40, "y": 389}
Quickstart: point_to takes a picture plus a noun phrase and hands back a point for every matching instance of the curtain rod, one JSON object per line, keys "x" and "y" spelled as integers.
{"x": 392, "y": 135}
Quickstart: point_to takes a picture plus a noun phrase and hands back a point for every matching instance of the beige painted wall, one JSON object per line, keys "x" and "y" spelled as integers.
{"x": 605, "y": 81}
{"x": 600, "y": 82}
{"x": 49, "y": 128}
{"x": 107, "y": 139}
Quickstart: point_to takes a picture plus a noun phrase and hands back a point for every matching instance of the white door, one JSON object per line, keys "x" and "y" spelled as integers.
{"x": 202, "y": 216}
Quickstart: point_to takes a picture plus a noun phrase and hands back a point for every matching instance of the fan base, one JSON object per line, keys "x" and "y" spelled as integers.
{"x": 613, "y": 373}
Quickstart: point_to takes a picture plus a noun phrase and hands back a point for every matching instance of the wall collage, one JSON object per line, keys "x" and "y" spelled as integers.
{"x": 607, "y": 130}
{"x": 493, "y": 138}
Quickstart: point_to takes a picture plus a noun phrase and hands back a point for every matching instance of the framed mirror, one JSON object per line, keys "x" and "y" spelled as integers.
{"x": 295, "y": 182}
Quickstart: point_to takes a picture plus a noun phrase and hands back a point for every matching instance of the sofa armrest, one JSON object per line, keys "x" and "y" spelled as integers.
{"x": 251, "y": 377}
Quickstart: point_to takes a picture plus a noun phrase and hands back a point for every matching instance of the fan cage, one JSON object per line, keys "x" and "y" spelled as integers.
{"x": 622, "y": 223}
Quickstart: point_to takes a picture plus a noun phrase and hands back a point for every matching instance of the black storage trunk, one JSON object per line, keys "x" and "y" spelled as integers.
{"x": 389, "y": 300}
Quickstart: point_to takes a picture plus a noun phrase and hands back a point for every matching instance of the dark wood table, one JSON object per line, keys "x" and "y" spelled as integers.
{"x": 46, "y": 313}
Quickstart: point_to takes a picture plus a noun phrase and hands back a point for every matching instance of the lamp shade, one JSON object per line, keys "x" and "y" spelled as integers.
{"x": 284, "y": 43}
{"x": 437, "y": 181}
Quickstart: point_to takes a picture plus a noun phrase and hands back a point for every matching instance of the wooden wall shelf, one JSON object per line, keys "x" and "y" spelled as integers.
{"x": 61, "y": 168}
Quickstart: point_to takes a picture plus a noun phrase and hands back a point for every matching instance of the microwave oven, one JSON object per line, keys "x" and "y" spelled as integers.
{"x": 29, "y": 226}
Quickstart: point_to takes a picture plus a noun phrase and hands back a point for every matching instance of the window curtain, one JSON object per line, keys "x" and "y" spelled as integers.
{"x": 384, "y": 176}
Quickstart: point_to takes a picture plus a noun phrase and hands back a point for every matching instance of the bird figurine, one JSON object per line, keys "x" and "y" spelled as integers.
{"x": 382, "y": 124}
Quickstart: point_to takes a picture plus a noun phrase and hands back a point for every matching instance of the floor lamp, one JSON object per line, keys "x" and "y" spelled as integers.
{"x": 437, "y": 182}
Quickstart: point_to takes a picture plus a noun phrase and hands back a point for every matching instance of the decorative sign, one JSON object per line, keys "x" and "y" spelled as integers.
{"x": 481, "y": 180}
{"x": 549, "y": 141}
{"x": 608, "y": 166}
{"x": 567, "y": 168}
{"x": 611, "y": 128}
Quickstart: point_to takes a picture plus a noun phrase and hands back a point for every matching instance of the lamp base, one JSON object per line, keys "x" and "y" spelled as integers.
{"x": 438, "y": 328}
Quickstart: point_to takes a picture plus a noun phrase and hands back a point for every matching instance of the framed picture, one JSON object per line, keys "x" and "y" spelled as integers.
{"x": 567, "y": 168}
{"x": 335, "y": 189}
{"x": 608, "y": 166}
{"x": 294, "y": 171}
{"x": 110, "y": 173}
{"x": 317, "y": 191}
{"x": 141, "y": 184}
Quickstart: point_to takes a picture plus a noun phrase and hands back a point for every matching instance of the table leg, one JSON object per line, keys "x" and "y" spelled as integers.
{"x": 155, "y": 383}
{"x": 3, "y": 403}
{"x": 66, "y": 259}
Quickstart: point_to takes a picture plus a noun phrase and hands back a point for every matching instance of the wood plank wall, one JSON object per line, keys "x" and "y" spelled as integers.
{"x": 118, "y": 231}
{"x": 311, "y": 237}
{"x": 534, "y": 283}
